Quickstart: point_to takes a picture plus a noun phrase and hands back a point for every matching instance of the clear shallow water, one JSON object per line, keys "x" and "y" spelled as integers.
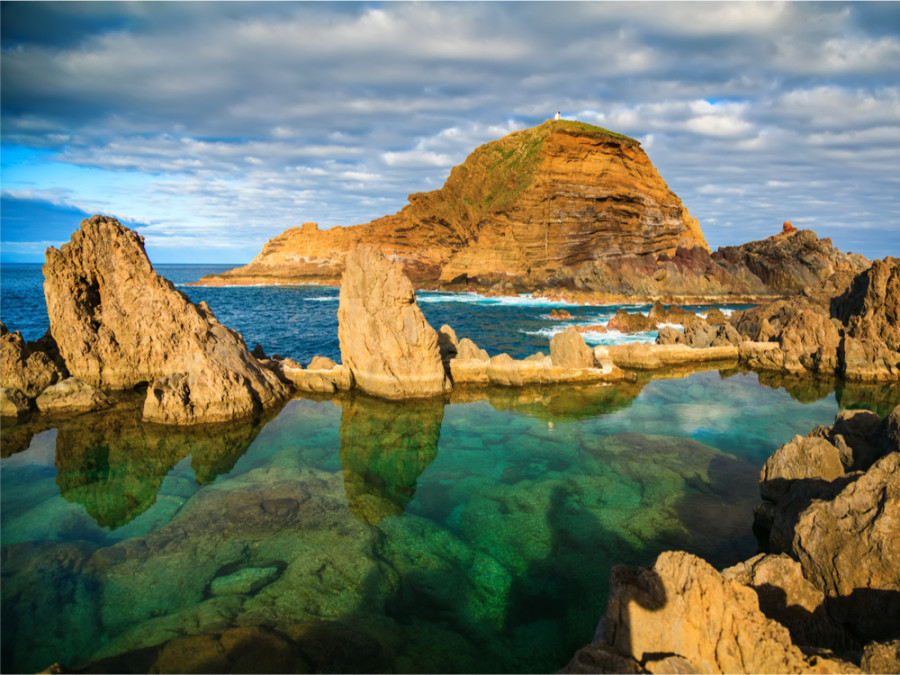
{"x": 472, "y": 536}
{"x": 301, "y": 321}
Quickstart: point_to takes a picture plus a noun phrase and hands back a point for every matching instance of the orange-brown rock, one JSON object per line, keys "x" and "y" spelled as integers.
{"x": 526, "y": 205}
{"x": 681, "y": 615}
{"x": 118, "y": 324}
{"x": 788, "y": 227}
{"x": 28, "y": 367}
{"x": 387, "y": 344}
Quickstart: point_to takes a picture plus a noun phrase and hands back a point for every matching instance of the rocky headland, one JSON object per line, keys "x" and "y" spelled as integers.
{"x": 564, "y": 208}
{"x": 823, "y": 596}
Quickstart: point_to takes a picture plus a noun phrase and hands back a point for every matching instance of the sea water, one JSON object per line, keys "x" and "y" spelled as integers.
{"x": 469, "y": 535}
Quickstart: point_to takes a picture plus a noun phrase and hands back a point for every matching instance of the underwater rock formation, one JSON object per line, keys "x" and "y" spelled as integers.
{"x": 387, "y": 344}
{"x": 119, "y": 324}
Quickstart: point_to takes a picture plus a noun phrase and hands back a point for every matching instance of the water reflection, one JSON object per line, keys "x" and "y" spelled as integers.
{"x": 385, "y": 447}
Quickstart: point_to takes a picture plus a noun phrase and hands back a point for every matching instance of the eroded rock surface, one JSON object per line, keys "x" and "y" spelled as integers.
{"x": 386, "y": 342}
{"x": 29, "y": 367}
{"x": 119, "y": 324}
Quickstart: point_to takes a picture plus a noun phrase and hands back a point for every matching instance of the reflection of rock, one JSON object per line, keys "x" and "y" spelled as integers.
{"x": 118, "y": 324}
{"x": 386, "y": 342}
{"x": 113, "y": 465}
{"x": 681, "y": 615}
{"x": 384, "y": 449}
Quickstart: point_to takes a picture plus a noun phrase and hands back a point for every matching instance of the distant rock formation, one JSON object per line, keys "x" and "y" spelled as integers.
{"x": 844, "y": 325}
{"x": 525, "y": 206}
{"x": 119, "y": 325}
{"x": 827, "y": 597}
{"x": 387, "y": 344}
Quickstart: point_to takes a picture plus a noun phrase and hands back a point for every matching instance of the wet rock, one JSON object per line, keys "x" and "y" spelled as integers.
{"x": 568, "y": 350}
{"x": 245, "y": 581}
{"x": 682, "y": 607}
{"x": 71, "y": 396}
{"x": 630, "y": 323}
{"x": 560, "y": 314}
{"x": 29, "y": 367}
{"x": 387, "y": 344}
{"x": 118, "y": 324}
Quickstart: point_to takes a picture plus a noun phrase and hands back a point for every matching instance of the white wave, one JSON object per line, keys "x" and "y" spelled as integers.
{"x": 523, "y": 300}
{"x": 593, "y": 338}
{"x": 323, "y": 298}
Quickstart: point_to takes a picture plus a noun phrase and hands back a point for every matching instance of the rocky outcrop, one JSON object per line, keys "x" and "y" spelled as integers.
{"x": 845, "y": 325}
{"x": 700, "y": 335}
{"x": 525, "y": 206}
{"x": 29, "y": 367}
{"x": 323, "y": 376}
{"x": 118, "y": 325}
{"x": 681, "y": 615}
{"x": 568, "y": 350}
{"x": 387, "y": 344}
{"x": 630, "y": 323}
{"x": 652, "y": 357}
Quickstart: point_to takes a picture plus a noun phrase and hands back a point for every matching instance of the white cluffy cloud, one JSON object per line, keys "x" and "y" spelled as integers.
{"x": 230, "y": 122}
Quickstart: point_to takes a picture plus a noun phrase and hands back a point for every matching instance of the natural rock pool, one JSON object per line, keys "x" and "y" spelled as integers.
{"x": 360, "y": 535}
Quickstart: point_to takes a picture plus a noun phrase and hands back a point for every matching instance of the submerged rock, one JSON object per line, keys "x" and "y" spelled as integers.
{"x": 386, "y": 342}
{"x": 119, "y": 324}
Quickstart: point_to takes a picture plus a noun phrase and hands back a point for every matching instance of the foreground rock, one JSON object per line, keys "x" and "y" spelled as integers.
{"x": 387, "y": 344}
{"x": 118, "y": 325}
{"x": 681, "y": 615}
{"x": 28, "y": 367}
{"x": 71, "y": 396}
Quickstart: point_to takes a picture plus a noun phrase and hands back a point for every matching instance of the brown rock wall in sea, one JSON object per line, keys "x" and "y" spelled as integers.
{"x": 118, "y": 324}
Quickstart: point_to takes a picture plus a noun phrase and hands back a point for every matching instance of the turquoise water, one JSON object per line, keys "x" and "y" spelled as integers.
{"x": 469, "y": 536}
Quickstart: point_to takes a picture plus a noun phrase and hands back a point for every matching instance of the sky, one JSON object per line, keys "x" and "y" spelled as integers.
{"x": 212, "y": 127}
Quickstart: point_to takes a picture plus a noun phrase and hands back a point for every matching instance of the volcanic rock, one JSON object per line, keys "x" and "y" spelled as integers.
{"x": 13, "y": 402}
{"x": 385, "y": 340}
{"x": 524, "y": 206}
{"x": 568, "y": 350}
{"x": 29, "y": 367}
{"x": 630, "y": 323}
{"x": 71, "y": 396}
{"x": 681, "y": 615}
{"x": 118, "y": 324}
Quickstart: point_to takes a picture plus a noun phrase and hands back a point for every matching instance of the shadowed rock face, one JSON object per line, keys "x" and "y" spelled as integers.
{"x": 386, "y": 342}
{"x": 528, "y": 204}
{"x": 118, "y": 324}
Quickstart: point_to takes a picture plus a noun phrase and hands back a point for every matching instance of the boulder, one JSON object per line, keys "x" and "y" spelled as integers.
{"x": 387, "y": 344}
{"x": 319, "y": 380}
{"x": 624, "y": 322}
{"x": 321, "y": 363}
{"x": 560, "y": 314}
{"x": 681, "y": 615}
{"x": 448, "y": 343}
{"x": 569, "y": 350}
{"x": 469, "y": 350}
{"x": 13, "y": 403}
{"x": 71, "y": 396}
{"x": 118, "y": 324}
{"x": 802, "y": 458}
{"x": 29, "y": 367}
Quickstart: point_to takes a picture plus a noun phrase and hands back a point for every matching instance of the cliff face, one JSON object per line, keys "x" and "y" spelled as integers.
{"x": 529, "y": 204}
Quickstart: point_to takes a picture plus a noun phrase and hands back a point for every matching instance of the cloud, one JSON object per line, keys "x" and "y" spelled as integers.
{"x": 234, "y": 121}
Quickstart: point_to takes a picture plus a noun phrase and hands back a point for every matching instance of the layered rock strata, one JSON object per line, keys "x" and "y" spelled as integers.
{"x": 525, "y": 206}
{"x": 119, "y": 325}
{"x": 827, "y": 599}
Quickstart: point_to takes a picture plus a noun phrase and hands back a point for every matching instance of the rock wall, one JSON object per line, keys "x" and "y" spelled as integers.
{"x": 118, "y": 325}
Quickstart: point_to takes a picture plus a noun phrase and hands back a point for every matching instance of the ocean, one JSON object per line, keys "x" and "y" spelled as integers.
{"x": 469, "y": 535}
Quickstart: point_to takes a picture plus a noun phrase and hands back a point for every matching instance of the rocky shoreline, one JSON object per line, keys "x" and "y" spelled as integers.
{"x": 823, "y": 596}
